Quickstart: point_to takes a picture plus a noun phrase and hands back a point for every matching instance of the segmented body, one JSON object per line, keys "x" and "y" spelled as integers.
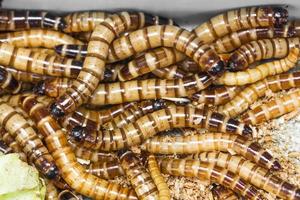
{"x": 138, "y": 176}
{"x": 37, "y": 38}
{"x": 163, "y": 189}
{"x": 234, "y": 40}
{"x": 242, "y": 18}
{"x": 70, "y": 169}
{"x": 198, "y": 143}
{"x": 256, "y": 90}
{"x": 253, "y": 174}
{"x": 170, "y": 72}
{"x": 207, "y": 171}
{"x": 13, "y": 20}
{"x": 106, "y": 170}
{"x": 221, "y": 193}
{"x": 260, "y": 72}
{"x": 261, "y": 49}
{"x": 215, "y": 95}
{"x": 26, "y": 76}
{"x": 273, "y": 109}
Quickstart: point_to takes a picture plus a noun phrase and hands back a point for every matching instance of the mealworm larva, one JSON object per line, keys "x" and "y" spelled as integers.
{"x": 208, "y": 171}
{"x": 88, "y": 20}
{"x": 242, "y": 18}
{"x": 106, "y": 170}
{"x": 259, "y": 50}
{"x": 234, "y": 40}
{"x": 163, "y": 189}
{"x": 71, "y": 171}
{"x": 256, "y": 90}
{"x": 222, "y": 193}
{"x": 138, "y": 176}
{"x": 26, "y": 76}
{"x": 40, "y": 63}
{"x": 51, "y": 191}
{"x": 153, "y": 59}
{"x": 198, "y": 143}
{"x": 13, "y": 20}
{"x": 167, "y": 36}
{"x": 273, "y": 109}
{"x": 37, "y": 38}
{"x": 215, "y": 95}
{"x": 260, "y": 72}
{"x": 4, "y": 148}
{"x": 252, "y": 173}
{"x": 27, "y": 138}
{"x": 165, "y": 119}
{"x": 170, "y": 72}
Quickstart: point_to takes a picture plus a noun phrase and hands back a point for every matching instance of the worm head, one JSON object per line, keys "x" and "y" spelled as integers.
{"x": 79, "y": 133}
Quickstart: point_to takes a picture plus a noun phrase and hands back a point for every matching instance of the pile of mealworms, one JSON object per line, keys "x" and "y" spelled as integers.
{"x": 105, "y": 105}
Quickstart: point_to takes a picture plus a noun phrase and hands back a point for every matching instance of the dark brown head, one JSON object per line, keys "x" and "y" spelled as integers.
{"x": 56, "y": 111}
{"x": 280, "y": 16}
{"x": 58, "y": 49}
{"x": 51, "y": 170}
{"x": 39, "y": 88}
{"x": 236, "y": 62}
{"x": 159, "y": 104}
{"x": 3, "y": 75}
{"x": 217, "y": 69}
{"x": 276, "y": 166}
{"x": 79, "y": 133}
{"x": 247, "y": 131}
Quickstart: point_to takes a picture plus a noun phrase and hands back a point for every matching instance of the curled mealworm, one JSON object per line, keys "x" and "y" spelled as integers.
{"x": 253, "y": 174}
{"x": 234, "y": 40}
{"x": 260, "y": 72}
{"x": 211, "y": 142}
{"x": 242, "y": 18}
{"x": 222, "y": 193}
{"x": 273, "y": 109}
{"x": 207, "y": 171}
{"x": 256, "y": 90}
{"x": 215, "y": 95}
{"x": 148, "y": 125}
{"x": 259, "y": 50}
{"x": 37, "y": 38}
{"x": 138, "y": 176}
{"x": 13, "y": 20}
{"x": 72, "y": 172}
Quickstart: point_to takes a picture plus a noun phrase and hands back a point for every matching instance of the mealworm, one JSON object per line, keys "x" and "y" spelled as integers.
{"x": 13, "y": 20}
{"x": 26, "y": 76}
{"x": 163, "y": 189}
{"x": 256, "y": 90}
{"x": 242, "y": 18}
{"x": 71, "y": 171}
{"x": 253, "y": 174}
{"x": 153, "y": 59}
{"x": 53, "y": 87}
{"x": 106, "y": 170}
{"x": 37, "y": 38}
{"x": 259, "y": 50}
{"x": 51, "y": 191}
{"x": 88, "y": 20}
{"x": 207, "y": 171}
{"x": 4, "y": 148}
{"x": 234, "y": 40}
{"x": 170, "y": 72}
{"x": 222, "y": 193}
{"x": 148, "y": 125}
{"x": 260, "y": 72}
{"x": 40, "y": 63}
{"x": 211, "y": 142}
{"x": 138, "y": 176}
{"x": 168, "y": 36}
{"x": 273, "y": 109}
{"x": 27, "y": 138}
{"x": 215, "y": 95}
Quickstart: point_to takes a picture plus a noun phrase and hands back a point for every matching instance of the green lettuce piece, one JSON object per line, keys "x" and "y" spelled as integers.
{"x": 18, "y": 180}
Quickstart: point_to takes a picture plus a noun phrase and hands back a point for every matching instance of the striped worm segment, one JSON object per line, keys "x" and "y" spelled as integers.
{"x": 138, "y": 90}
{"x": 222, "y": 193}
{"x": 37, "y": 38}
{"x": 242, "y": 18}
{"x": 27, "y": 138}
{"x": 105, "y": 170}
{"x": 273, "y": 109}
{"x": 252, "y": 173}
{"x": 207, "y": 171}
{"x": 260, "y": 72}
{"x": 138, "y": 176}
{"x": 153, "y": 59}
{"x": 216, "y": 95}
{"x": 13, "y": 20}
{"x": 198, "y": 143}
{"x": 147, "y": 126}
{"x": 170, "y": 72}
{"x": 234, "y": 40}
{"x": 163, "y": 189}
{"x": 250, "y": 94}
{"x": 88, "y": 20}
{"x": 53, "y": 87}
{"x": 261, "y": 49}
{"x": 34, "y": 62}
{"x": 71, "y": 171}
{"x": 43, "y": 50}
{"x": 26, "y": 76}
{"x": 8, "y": 82}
